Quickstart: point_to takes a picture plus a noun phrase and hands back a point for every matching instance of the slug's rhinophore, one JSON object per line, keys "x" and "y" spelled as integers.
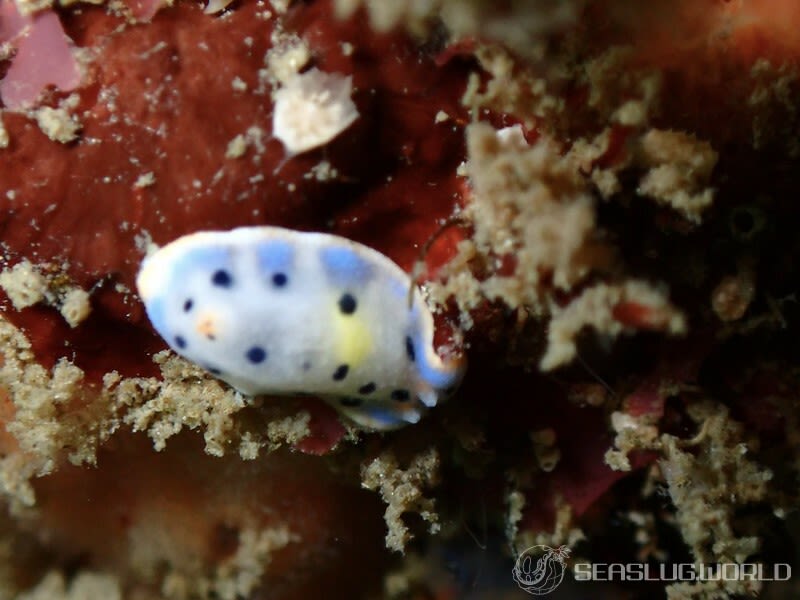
{"x": 276, "y": 311}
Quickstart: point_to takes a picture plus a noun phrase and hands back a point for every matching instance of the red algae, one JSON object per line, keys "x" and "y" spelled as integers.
{"x": 325, "y": 429}
{"x": 665, "y": 32}
{"x": 708, "y": 54}
{"x": 153, "y": 161}
{"x": 202, "y": 515}
{"x": 132, "y": 125}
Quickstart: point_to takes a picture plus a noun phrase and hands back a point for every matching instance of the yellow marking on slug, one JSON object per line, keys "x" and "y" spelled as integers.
{"x": 354, "y": 340}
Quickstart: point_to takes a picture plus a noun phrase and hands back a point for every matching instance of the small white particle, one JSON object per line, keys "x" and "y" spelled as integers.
{"x": 238, "y": 84}
{"x": 71, "y": 101}
{"x": 144, "y": 242}
{"x": 157, "y": 48}
{"x": 255, "y": 136}
{"x": 218, "y": 176}
{"x": 144, "y": 180}
{"x": 3, "y": 134}
{"x": 236, "y": 147}
{"x": 287, "y": 56}
{"x": 322, "y": 171}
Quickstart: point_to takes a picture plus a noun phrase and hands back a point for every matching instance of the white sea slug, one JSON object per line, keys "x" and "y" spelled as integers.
{"x": 275, "y": 311}
{"x": 311, "y": 109}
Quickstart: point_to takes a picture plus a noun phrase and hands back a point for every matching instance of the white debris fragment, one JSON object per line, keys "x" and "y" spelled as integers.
{"x": 215, "y": 6}
{"x": 23, "y": 284}
{"x": 288, "y": 55}
{"x": 236, "y": 147}
{"x": 144, "y": 180}
{"x": 512, "y": 136}
{"x": 75, "y": 306}
{"x": 238, "y": 84}
{"x": 3, "y": 133}
{"x": 57, "y": 124}
{"x": 280, "y": 6}
{"x": 311, "y": 109}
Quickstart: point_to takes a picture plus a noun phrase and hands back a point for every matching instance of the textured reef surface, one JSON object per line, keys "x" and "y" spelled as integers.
{"x": 597, "y": 199}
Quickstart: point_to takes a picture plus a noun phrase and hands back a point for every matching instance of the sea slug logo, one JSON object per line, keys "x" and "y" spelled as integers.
{"x": 540, "y": 569}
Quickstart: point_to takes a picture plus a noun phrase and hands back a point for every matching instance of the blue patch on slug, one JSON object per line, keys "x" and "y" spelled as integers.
{"x": 274, "y": 257}
{"x": 344, "y": 266}
{"x": 383, "y": 418}
{"x": 208, "y": 260}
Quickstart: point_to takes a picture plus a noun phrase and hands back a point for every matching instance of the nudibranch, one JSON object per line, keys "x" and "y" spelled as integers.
{"x": 275, "y": 311}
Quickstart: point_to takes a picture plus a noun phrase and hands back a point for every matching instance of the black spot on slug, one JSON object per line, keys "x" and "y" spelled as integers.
{"x": 222, "y": 278}
{"x": 256, "y": 355}
{"x": 367, "y": 389}
{"x": 410, "y": 349}
{"x": 400, "y": 395}
{"x": 347, "y": 304}
{"x": 340, "y": 372}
